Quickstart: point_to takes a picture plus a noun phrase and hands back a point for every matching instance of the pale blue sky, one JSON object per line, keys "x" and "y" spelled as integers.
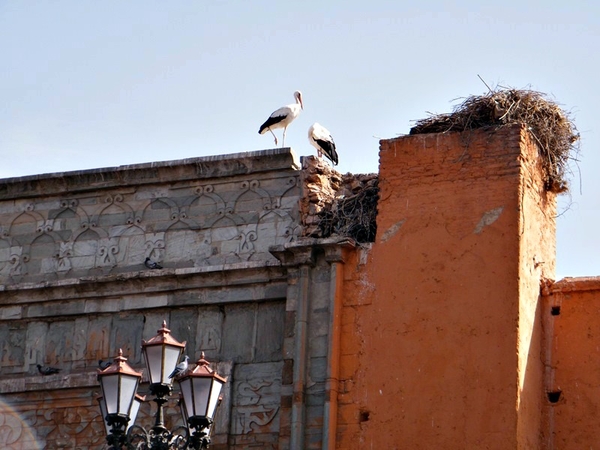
{"x": 87, "y": 84}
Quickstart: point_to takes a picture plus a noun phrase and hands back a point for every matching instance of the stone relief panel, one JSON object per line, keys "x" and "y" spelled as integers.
{"x": 5, "y": 257}
{"x": 256, "y": 395}
{"x": 131, "y": 248}
{"x": 178, "y": 226}
{"x": 60, "y": 340}
{"x": 16, "y": 433}
{"x": 35, "y": 353}
{"x": 12, "y": 347}
{"x": 98, "y": 339}
{"x": 25, "y": 225}
{"x": 209, "y": 332}
{"x": 84, "y": 249}
{"x": 126, "y": 334}
{"x": 107, "y": 252}
{"x": 269, "y": 332}
{"x": 70, "y": 421}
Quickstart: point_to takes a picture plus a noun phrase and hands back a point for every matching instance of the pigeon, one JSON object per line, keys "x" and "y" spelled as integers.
{"x": 104, "y": 364}
{"x": 181, "y": 368}
{"x": 152, "y": 264}
{"x": 47, "y": 370}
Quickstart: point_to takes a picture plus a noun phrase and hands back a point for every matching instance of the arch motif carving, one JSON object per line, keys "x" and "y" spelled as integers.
{"x": 180, "y": 225}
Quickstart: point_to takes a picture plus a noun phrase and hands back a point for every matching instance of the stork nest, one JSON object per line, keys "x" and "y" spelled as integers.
{"x": 550, "y": 126}
{"x": 353, "y": 215}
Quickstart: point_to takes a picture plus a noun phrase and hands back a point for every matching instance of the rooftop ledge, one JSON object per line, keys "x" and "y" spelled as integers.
{"x": 570, "y": 284}
{"x": 140, "y": 274}
{"x": 204, "y": 167}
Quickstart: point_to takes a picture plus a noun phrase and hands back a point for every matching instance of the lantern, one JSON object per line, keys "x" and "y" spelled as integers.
{"x": 119, "y": 383}
{"x": 162, "y": 353}
{"x": 200, "y": 390}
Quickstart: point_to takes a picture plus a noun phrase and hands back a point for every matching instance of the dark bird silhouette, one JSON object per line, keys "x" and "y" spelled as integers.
{"x": 152, "y": 264}
{"x": 180, "y": 369}
{"x": 320, "y": 138}
{"x": 104, "y": 364}
{"x": 47, "y": 370}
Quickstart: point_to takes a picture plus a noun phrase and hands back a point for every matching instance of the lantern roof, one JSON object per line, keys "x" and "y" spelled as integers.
{"x": 203, "y": 369}
{"x": 119, "y": 365}
{"x": 163, "y": 337}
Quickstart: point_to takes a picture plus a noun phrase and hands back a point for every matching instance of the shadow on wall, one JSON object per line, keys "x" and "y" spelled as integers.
{"x": 533, "y": 403}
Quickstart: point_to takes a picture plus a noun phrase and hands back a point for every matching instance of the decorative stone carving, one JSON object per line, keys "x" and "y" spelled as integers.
{"x": 15, "y": 433}
{"x": 64, "y": 257}
{"x": 179, "y": 226}
{"x": 251, "y": 415}
{"x": 256, "y": 398}
{"x": 108, "y": 250}
{"x": 155, "y": 246}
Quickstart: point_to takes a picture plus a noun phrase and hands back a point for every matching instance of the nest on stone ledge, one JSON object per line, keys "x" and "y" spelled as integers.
{"x": 354, "y": 214}
{"x": 550, "y": 126}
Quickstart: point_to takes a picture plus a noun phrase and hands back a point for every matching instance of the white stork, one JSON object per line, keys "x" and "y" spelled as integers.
{"x": 283, "y": 117}
{"x": 321, "y": 139}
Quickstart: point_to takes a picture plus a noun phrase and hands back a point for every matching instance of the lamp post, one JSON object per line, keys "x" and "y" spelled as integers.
{"x": 162, "y": 353}
{"x": 200, "y": 390}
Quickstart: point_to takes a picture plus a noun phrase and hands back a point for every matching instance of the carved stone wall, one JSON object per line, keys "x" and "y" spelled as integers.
{"x": 237, "y": 283}
{"x": 194, "y": 222}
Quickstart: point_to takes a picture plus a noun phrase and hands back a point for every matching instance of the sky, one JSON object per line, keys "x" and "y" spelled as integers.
{"x": 89, "y": 84}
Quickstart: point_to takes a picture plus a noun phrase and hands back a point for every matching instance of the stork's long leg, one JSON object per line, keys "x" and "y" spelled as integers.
{"x": 273, "y": 136}
{"x": 283, "y": 143}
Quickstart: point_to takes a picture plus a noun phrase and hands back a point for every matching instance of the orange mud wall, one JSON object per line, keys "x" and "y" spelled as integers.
{"x": 573, "y": 363}
{"x": 441, "y": 323}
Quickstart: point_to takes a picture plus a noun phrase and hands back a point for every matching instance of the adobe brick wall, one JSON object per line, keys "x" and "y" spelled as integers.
{"x": 572, "y": 356}
{"x": 440, "y": 328}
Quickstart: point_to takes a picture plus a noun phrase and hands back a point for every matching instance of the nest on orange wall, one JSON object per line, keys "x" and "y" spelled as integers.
{"x": 550, "y": 126}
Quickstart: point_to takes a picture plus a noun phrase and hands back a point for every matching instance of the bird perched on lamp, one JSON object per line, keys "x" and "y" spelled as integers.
{"x": 282, "y": 117}
{"x": 103, "y": 365}
{"x": 320, "y": 138}
{"x": 180, "y": 368}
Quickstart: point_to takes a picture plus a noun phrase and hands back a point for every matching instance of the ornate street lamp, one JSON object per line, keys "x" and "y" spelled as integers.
{"x": 200, "y": 392}
{"x": 119, "y": 383}
{"x": 162, "y": 353}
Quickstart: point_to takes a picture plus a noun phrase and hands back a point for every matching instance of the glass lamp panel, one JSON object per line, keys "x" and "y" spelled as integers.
{"x": 188, "y": 396}
{"x": 172, "y": 355}
{"x": 126, "y": 393}
{"x": 103, "y": 412}
{"x": 153, "y": 356}
{"x": 201, "y": 394}
{"x": 214, "y": 397}
{"x": 184, "y": 413}
{"x": 135, "y": 407}
{"x": 110, "y": 392}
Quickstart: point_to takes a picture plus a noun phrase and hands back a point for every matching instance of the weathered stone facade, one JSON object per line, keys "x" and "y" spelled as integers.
{"x": 238, "y": 283}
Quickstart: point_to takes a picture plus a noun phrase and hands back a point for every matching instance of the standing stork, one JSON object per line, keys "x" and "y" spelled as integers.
{"x": 321, "y": 139}
{"x": 282, "y": 117}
